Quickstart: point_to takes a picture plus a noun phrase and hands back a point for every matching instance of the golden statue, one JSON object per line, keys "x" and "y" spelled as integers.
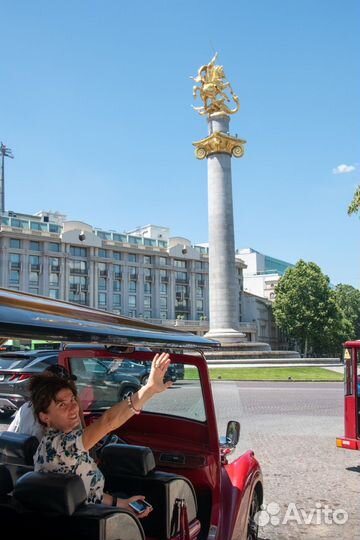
{"x": 213, "y": 89}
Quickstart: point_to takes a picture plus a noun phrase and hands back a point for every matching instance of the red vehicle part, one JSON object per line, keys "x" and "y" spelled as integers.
{"x": 351, "y": 440}
{"x": 225, "y": 491}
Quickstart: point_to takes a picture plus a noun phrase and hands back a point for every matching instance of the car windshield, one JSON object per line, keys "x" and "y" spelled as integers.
{"x": 102, "y": 382}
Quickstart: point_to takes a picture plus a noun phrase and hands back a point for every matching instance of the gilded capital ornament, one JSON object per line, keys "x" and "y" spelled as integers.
{"x": 219, "y": 142}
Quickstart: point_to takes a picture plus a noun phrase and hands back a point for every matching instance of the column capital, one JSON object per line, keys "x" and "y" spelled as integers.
{"x": 219, "y": 142}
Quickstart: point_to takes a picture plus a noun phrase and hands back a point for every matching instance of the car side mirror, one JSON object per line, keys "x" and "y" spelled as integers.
{"x": 232, "y": 435}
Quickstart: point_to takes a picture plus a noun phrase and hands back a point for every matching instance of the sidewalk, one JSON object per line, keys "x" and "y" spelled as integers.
{"x": 333, "y": 364}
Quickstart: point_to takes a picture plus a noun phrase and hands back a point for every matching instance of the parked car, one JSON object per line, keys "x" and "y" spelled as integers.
{"x": 16, "y": 368}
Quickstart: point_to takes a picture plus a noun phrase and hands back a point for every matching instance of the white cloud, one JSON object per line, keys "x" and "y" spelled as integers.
{"x": 342, "y": 169}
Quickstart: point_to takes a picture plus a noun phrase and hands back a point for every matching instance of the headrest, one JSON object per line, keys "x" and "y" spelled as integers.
{"x": 6, "y": 483}
{"x": 127, "y": 459}
{"x": 50, "y": 492}
{"x": 17, "y": 448}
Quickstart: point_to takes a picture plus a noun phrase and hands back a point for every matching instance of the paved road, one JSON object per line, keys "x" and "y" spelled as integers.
{"x": 292, "y": 429}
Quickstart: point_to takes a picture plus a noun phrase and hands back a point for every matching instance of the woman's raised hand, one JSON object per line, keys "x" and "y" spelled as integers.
{"x": 159, "y": 367}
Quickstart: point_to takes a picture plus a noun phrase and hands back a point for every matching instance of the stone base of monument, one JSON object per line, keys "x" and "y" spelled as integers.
{"x": 248, "y": 352}
{"x": 226, "y": 336}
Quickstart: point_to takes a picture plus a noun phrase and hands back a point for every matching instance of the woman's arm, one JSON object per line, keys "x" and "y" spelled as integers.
{"x": 118, "y": 414}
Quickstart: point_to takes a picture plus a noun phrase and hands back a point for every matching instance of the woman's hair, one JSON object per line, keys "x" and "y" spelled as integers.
{"x": 44, "y": 388}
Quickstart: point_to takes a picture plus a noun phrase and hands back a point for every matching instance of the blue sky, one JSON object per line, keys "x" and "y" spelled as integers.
{"x": 96, "y": 106}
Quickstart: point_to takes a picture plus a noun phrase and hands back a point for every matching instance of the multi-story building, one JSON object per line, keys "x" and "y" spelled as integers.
{"x": 142, "y": 273}
{"x": 262, "y": 272}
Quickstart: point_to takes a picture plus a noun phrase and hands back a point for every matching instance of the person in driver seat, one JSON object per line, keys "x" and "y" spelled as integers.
{"x": 65, "y": 445}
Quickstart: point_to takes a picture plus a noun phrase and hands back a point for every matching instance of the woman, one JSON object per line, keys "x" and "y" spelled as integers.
{"x": 65, "y": 445}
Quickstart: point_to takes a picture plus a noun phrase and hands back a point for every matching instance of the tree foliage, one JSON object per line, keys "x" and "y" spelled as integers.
{"x": 305, "y": 309}
{"x": 354, "y": 206}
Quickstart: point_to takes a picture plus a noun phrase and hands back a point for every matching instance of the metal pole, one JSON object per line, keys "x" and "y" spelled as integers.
{"x": 5, "y": 152}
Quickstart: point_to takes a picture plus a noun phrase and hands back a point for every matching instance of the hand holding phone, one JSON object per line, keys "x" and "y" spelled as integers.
{"x": 140, "y": 506}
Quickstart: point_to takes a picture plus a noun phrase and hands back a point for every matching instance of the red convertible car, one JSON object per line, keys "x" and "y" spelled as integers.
{"x": 171, "y": 453}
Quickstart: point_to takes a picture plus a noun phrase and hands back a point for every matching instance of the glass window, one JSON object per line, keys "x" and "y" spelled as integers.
{"x": 164, "y": 275}
{"x": 188, "y": 401}
{"x": 15, "y": 243}
{"x": 35, "y": 246}
{"x": 132, "y": 257}
{"x": 149, "y": 242}
{"x": 199, "y": 292}
{"x": 78, "y": 267}
{"x": 163, "y": 288}
{"x": 199, "y": 305}
{"x": 116, "y": 285}
{"x": 102, "y": 300}
{"x": 54, "y": 246}
{"x": 14, "y": 260}
{"x": 163, "y": 261}
{"x": 147, "y": 314}
{"x": 77, "y": 251}
{"x": 117, "y": 271}
{"x": 163, "y": 314}
{"x": 34, "y": 261}
{"x": 54, "y": 279}
{"x": 179, "y": 264}
{"x": 147, "y": 288}
{"x": 132, "y": 286}
{"x": 33, "y": 290}
{"x": 54, "y": 228}
{"x": 132, "y": 301}
{"x": 135, "y": 240}
{"x": 119, "y": 237}
{"x": 133, "y": 272}
{"x": 54, "y": 293}
{"x": 14, "y": 276}
{"x": 103, "y": 253}
{"x": 147, "y": 302}
{"x": 147, "y": 259}
{"x": 38, "y": 226}
{"x": 117, "y": 255}
{"x": 147, "y": 273}
{"x": 116, "y": 300}
{"x": 181, "y": 276}
{"x": 102, "y": 284}
{"x": 163, "y": 302}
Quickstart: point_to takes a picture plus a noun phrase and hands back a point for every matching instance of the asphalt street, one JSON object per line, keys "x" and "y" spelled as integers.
{"x": 292, "y": 429}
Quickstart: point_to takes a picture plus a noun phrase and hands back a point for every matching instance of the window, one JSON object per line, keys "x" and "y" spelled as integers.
{"x": 132, "y": 286}
{"x": 102, "y": 269}
{"x": 147, "y": 302}
{"x": 147, "y": 288}
{"x": 179, "y": 264}
{"x": 103, "y": 253}
{"x": 163, "y": 261}
{"x": 102, "y": 283}
{"x": 163, "y": 302}
{"x": 33, "y": 290}
{"x": 135, "y": 240}
{"x": 132, "y": 257}
{"x": 132, "y": 301}
{"x": 147, "y": 274}
{"x": 34, "y": 261}
{"x": 35, "y": 246}
{"x": 199, "y": 305}
{"x": 54, "y": 246}
{"x": 147, "y": 314}
{"x": 163, "y": 288}
{"x": 199, "y": 291}
{"x": 164, "y": 278}
{"x": 15, "y": 243}
{"x": 116, "y": 285}
{"x": 117, "y": 255}
{"x": 117, "y": 271}
{"x": 116, "y": 301}
{"x": 163, "y": 314}
{"x": 14, "y": 261}
{"x": 181, "y": 276}
{"x": 147, "y": 259}
{"x": 54, "y": 293}
{"x": 78, "y": 267}
{"x": 54, "y": 264}
{"x": 102, "y": 299}
{"x": 54, "y": 279}
{"x": 133, "y": 272}
{"x": 14, "y": 276}
{"x": 77, "y": 251}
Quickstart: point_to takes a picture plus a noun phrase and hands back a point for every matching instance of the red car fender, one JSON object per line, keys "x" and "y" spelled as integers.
{"x": 238, "y": 481}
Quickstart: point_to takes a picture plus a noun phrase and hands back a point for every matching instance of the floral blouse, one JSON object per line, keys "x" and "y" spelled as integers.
{"x": 60, "y": 452}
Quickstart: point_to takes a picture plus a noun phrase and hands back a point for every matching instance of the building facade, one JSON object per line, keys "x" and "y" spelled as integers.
{"x": 143, "y": 273}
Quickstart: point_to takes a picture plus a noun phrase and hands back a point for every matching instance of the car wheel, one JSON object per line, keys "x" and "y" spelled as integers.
{"x": 253, "y": 526}
{"x": 144, "y": 379}
{"x": 127, "y": 390}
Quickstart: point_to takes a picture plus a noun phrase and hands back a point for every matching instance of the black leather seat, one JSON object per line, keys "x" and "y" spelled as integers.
{"x": 17, "y": 452}
{"x": 131, "y": 469}
{"x": 53, "y": 506}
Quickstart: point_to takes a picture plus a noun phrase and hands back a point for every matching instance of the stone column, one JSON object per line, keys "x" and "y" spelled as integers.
{"x": 223, "y": 282}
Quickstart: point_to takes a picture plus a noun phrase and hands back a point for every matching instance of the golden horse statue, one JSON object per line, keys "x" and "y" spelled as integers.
{"x": 213, "y": 89}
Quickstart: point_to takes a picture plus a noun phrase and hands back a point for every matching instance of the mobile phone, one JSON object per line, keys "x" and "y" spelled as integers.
{"x": 140, "y": 506}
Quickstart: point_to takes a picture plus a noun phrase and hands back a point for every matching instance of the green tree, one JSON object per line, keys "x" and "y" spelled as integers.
{"x": 305, "y": 308}
{"x": 354, "y": 206}
{"x": 347, "y": 299}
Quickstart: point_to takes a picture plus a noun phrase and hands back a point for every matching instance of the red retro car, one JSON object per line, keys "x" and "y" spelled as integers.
{"x": 171, "y": 453}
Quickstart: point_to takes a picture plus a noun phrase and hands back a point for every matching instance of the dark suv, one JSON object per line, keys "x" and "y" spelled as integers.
{"x": 16, "y": 368}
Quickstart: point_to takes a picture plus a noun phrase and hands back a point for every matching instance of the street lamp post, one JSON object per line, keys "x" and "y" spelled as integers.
{"x": 5, "y": 152}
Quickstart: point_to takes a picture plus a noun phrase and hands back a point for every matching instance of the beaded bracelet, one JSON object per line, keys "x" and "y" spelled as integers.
{"x": 131, "y": 406}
